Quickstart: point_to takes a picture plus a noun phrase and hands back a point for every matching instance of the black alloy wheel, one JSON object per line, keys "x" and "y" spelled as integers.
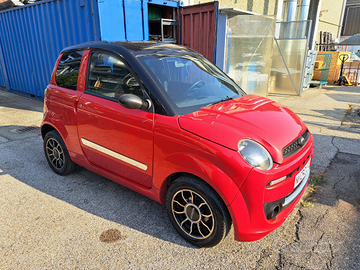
{"x": 197, "y": 212}
{"x": 57, "y": 154}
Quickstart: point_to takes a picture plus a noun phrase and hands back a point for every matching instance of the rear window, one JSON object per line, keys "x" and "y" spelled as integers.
{"x": 67, "y": 72}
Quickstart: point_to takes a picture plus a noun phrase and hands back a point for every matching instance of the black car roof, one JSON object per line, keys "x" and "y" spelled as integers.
{"x": 135, "y": 47}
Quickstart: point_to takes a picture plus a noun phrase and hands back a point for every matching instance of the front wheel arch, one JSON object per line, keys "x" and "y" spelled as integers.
{"x": 172, "y": 178}
{"x": 208, "y": 200}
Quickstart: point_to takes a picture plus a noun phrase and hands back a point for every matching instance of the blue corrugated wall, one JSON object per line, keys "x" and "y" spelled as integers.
{"x": 32, "y": 36}
{"x": 2, "y": 69}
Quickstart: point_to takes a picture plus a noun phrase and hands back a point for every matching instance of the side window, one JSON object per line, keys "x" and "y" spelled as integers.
{"x": 68, "y": 70}
{"x": 109, "y": 77}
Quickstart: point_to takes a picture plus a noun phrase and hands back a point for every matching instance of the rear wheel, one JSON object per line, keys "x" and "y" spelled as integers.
{"x": 197, "y": 212}
{"x": 57, "y": 154}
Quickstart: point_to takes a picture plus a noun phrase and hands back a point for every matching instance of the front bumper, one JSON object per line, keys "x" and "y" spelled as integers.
{"x": 272, "y": 209}
{"x": 259, "y": 208}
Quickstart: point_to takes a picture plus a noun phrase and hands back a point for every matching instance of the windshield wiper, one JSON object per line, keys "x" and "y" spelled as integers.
{"x": 222, "y": 100}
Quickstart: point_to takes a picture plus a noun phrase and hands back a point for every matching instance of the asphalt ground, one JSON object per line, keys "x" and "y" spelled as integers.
{"x": 84, "y": 221}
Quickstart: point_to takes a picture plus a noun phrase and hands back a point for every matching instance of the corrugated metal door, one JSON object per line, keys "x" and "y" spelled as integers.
{"x": 135, "y": 17}
{"x": 111, "y": 14}
{"x": 33, "y": 35}
{"x": 198, "y": 29}
{"x": 123, "y": 20}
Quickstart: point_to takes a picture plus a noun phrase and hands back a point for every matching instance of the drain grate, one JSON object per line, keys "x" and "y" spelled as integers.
{"x": 28, "y": 129}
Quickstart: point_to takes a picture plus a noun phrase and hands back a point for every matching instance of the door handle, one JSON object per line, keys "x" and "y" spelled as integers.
{"x": 75, "y": 103}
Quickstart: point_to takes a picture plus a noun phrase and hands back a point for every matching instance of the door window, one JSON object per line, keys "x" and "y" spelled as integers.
{"x": 109, "y": 77}
{"x": 67, "y": 72}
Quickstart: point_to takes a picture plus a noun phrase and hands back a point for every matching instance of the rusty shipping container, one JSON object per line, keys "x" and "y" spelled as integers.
{"x": 199, "y": 28}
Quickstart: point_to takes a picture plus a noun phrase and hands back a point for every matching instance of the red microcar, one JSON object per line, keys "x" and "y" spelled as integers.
{"x": 164, "y": 121}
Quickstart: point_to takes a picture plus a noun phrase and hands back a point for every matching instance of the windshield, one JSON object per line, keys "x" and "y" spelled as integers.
{"x": 190, "y": 82}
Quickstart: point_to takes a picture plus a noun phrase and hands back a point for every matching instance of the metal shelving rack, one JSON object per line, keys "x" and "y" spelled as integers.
{"x": 166, "y": 22}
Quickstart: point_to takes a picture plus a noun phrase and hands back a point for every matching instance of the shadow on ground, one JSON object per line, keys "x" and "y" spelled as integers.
{"x": 25, "y": 161}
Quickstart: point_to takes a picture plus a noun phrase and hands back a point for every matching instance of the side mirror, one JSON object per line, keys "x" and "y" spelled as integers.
{"x": 132, "y": 101}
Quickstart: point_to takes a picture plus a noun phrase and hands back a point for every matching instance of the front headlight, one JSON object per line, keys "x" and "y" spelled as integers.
{"x": 255, "y": 154}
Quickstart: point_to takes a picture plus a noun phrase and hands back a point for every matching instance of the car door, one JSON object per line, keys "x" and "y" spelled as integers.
{"x": 112, "y": 137}
{"x": 62, "y": 97}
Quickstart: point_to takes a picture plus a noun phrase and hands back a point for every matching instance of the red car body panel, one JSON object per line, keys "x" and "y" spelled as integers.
{"x": 125, "y": 131}
{"x": 63, "y": 109}
{"x": 96, "y": 130}
{"x": 255, "y": 193}
{"x": 262, "y": 118}
{"x": 176, "y": 150}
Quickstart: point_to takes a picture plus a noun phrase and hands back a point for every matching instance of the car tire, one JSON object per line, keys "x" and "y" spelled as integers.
{"x": 197, "y": 212}
{"x": 57, "y": 154}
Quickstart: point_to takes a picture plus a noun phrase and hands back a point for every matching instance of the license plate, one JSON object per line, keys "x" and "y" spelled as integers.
{"x": 301, "y": 175}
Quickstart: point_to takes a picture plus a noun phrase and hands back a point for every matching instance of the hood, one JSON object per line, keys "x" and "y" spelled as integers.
{"x": 248, "y": 117}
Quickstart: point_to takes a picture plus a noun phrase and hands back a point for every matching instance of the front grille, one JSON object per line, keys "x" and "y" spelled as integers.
{"x": 296, "y": 145}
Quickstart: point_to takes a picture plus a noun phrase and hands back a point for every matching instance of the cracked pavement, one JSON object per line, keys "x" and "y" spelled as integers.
{"x": 327, "y": 231}
{"x": 85, "y": 221}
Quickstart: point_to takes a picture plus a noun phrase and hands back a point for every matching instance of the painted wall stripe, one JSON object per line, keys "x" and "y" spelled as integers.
{"x": 113, "y": 154}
